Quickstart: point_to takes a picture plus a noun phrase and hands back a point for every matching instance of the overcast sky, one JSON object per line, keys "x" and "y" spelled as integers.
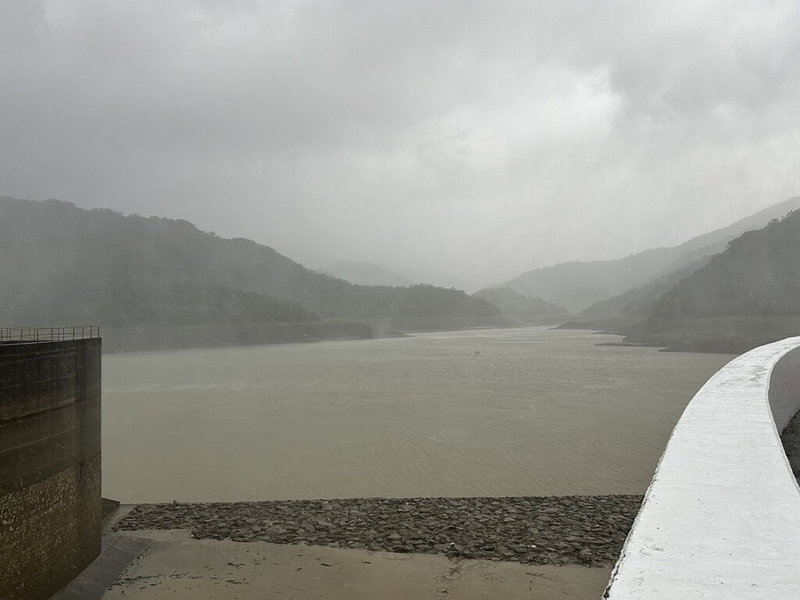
{"x": 481, "y": 139}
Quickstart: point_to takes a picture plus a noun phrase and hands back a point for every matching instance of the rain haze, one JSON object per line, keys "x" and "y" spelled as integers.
{"x": 410, "y": 296}
{"x": 472, "y": 139}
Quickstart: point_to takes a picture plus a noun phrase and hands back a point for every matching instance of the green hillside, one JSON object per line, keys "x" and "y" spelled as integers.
{"x": 63, "y": 265}
{"x": 745, "y": 296}
{"x": 579, "y": 285}
{"x": 759, "y": 274}
{"x": 638, "y": 302}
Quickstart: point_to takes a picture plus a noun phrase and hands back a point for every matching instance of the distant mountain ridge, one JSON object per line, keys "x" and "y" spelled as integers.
{"x": 61, "y": 264}
{"x": 638, "y": 302}
{"x": 758, "y": 274}
{"x": 578, "y": 285}
{"x": 745, "y": 296}
{"x": 522, "y": 307}
{"x": 365, "y": 273}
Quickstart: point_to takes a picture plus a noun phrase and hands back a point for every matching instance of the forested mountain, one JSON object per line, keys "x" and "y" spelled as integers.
{"x": 364, "y": 273}
{"x": 759, "y": 274}
{"x": 578, "y": 285}
{"x": 522, "y": 307}
{"x": 745, "y": 296}
{"x": 639, "y": 302}
{"x": 63, "y": 265}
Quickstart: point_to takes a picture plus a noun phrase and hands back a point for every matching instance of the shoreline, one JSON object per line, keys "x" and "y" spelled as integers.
{"x": 548, "y": 530}
{"x": 121, "y": 340}
{"x": 708, "y": 341}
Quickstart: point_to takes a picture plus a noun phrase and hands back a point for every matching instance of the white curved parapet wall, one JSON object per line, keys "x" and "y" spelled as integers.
{"x": 721, "y": 518}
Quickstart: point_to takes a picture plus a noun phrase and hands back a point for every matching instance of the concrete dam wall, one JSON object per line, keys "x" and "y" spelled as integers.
{"x": 721, "y": 518}
{"x": 50, "y": 483}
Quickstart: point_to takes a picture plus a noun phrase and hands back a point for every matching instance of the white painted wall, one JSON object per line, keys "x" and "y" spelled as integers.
{"x": 721, "y": 518}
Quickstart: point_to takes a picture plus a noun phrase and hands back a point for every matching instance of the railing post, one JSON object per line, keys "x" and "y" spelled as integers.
{"x": 48, "y": 334}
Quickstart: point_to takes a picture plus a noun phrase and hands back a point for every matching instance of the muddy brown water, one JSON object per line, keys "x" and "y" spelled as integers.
{"x": 529, "y": 411}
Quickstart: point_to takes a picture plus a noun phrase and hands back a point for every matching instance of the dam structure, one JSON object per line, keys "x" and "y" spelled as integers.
{"x": 721, "y": 518}
{"x": 50, "y": 471}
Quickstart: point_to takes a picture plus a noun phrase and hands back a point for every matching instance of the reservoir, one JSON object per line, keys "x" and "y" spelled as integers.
{"x": 505, "y": 412}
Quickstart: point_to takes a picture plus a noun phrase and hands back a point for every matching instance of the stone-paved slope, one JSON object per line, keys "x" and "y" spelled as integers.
{"x": 559, "y": 530}
{"x": 790, "y": 438}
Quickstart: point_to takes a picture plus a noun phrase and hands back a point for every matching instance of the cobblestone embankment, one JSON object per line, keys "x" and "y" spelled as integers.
{"x": 557, "y": 530}
{"x": 790, "y": 438}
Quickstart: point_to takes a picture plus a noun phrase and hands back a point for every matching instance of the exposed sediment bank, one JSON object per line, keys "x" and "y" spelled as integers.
{"x": 177, "y": 567}
{"x": 556, "y": 530}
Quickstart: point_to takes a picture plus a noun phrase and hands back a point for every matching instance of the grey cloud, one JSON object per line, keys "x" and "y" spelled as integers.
{"x": 478, "y": 138}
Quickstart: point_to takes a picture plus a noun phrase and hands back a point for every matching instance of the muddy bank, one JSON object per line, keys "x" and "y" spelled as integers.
{"x": 177, "y": 567}
{"x": 560, "y": 530}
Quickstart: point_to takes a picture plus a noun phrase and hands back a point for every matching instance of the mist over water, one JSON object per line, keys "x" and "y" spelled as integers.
{"x": 473, "y": 413}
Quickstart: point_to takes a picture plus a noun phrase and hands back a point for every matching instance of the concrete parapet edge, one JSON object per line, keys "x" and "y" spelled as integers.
{"x": 721, "y": 518}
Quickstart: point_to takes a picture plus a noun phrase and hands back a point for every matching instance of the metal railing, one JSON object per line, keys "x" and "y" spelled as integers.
{"x": 48, "y": 334}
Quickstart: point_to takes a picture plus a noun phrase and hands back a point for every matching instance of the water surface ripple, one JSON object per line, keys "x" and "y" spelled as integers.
{"x": 510, "y": 412}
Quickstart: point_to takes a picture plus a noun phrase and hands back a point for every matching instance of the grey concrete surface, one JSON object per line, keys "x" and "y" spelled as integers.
{"x": 116, "y": 554}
